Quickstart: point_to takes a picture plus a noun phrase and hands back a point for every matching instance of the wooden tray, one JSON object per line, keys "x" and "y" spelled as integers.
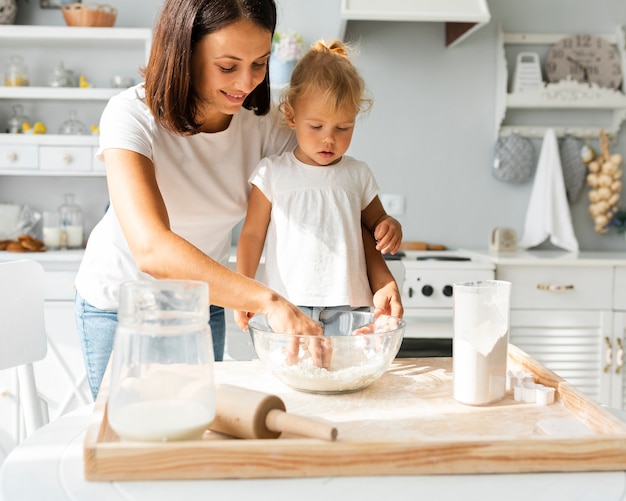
{"x": 403, "y": 424}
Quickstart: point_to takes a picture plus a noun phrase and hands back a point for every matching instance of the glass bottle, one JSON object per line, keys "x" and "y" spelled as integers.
{"x": 162, "y": 385}
{"x": 16, "y": 74}
{"x": 15, "y": 124}
{"x": 71, "y": 224}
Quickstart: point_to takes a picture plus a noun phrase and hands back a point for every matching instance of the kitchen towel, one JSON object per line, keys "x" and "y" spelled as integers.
{"x": 548, "y": 212}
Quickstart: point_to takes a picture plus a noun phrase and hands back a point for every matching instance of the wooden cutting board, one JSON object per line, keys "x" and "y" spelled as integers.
{"x": 405, "y": 423}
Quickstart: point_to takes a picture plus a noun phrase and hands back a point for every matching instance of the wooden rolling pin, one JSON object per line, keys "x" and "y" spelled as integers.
{"x": 244, "y": 413}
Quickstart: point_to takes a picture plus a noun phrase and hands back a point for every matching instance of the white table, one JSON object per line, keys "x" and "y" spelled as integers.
{"x": 49, "y": 466}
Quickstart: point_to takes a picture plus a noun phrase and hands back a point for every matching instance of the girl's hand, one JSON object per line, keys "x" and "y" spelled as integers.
{"x": 388, "y": 235}
{"x": 387, "y": 301}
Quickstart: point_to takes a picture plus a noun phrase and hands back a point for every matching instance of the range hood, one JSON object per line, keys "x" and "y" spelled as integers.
{"x": 462, "y": 17}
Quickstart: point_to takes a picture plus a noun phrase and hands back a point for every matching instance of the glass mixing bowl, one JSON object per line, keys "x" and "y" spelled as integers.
{"x": 356, "y": 349}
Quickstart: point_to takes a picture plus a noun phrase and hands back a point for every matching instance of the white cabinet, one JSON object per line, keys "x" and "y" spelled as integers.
{"x": 562, "y": 316}
{"x": 461, "y": 17}
{"x": 615, "y": 345}
{"x": 98, "y": 54}
{"x": 583, "y": 110}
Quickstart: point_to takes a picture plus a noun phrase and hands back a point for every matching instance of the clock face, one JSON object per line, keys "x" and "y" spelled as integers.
{"x": 586, "y": 58}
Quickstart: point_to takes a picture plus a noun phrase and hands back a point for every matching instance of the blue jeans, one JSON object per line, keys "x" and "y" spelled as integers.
{"x": 96, "y": 329}
{"x": 324, "y": 314}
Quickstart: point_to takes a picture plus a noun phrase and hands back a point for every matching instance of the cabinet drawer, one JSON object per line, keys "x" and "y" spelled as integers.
{"x": 619, "y": 297}
{"x": 65, "y": 158}
{"x": 562, "y": 287}
{"x": 18, "y": 157}
{"x": 59, "y": 285}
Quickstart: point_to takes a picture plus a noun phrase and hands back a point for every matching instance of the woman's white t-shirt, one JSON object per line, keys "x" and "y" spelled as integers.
{"x": 203, "y": 179}
{"x": 314, "y": 246}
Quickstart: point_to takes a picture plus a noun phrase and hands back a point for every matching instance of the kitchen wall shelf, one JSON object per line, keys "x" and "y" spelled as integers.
{"x": 99, "y": 54}
{"x": 58, "y": 93}
{"x": 564, "y": 96}
{"x": 461, "y": 17}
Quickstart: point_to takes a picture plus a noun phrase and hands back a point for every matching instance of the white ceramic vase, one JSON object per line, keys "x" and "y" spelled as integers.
{"x": 280, "y": 71}
{"x": 8, "y": 11}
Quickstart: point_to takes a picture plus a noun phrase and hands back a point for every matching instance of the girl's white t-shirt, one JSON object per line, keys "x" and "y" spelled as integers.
{"x": 203, "y": 179}
{"x": 314, "y": 244}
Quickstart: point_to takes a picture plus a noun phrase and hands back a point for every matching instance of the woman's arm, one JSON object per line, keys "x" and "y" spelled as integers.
{"x": 161, "y": 253}
{"x": 251, "y": 242}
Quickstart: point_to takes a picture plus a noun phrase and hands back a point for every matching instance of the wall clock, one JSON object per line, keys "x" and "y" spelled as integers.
{"x": 586, "y": 58}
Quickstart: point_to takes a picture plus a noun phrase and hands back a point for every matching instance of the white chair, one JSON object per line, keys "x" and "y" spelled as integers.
{"x": 23, "y": 335}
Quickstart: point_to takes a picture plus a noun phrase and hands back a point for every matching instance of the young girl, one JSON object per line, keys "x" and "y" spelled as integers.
{"x": 311, "y": 204}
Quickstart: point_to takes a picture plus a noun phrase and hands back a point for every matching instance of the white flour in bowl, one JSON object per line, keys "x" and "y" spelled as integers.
{"x": 305, "y": 376}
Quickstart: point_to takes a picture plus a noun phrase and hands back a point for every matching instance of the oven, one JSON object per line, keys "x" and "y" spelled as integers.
{"x": 425, "y": 280}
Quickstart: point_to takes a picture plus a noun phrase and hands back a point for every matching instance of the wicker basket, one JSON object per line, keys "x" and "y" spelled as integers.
{"x": 89, "y": 14}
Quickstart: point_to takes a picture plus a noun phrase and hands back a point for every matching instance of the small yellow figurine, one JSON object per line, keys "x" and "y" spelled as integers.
{"x": 83, "y": 83}
{"x": 26, "y": 128}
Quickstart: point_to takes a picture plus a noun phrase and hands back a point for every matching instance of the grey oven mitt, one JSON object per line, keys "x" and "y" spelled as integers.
{"x": 514, "y": 159}
{"x": 574, "y": 169}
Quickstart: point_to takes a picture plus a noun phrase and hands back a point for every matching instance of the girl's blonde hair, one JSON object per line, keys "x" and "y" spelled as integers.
{"x": 327, "y": 68}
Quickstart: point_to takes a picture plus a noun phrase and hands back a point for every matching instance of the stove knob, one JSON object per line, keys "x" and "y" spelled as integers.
{"x": 427, "y": 290}
{"x": 447, "y": 290}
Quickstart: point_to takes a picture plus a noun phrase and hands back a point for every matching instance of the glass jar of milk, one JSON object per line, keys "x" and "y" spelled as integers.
{"x": 70, "y": 224}
{"x": 162, "y": 385}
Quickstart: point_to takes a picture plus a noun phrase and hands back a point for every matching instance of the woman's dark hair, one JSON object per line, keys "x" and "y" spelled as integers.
{"x": 181, "y": 25}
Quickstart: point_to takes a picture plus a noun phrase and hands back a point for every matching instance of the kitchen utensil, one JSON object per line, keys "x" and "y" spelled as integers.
{"x": 573, "y": 165}
{"x": 162, "y": 369}
{"x": 514, "y": 159}
{"x": 527, "y": 72}
{"x": 479, "y": 346}
{"x": 244, "y": 413}
{"x": 356, "y": 349}
{"x": 503, "y": 240}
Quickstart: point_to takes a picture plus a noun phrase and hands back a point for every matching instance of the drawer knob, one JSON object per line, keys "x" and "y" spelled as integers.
{"x": 66, "y": 158}
{"x": 11, "y": 156}
{"x": 554, "y": 287}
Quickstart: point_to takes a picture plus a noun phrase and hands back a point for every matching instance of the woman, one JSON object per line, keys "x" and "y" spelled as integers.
{"x": 178, "y": 151}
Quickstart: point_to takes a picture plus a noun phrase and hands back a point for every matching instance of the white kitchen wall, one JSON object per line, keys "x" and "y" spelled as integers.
{"x": 430, "y": 134}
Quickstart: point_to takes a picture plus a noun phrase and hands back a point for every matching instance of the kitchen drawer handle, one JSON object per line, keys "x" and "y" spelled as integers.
{"x": 554, "y": 287}
{"x": 619, "y": 358}
{"x": 11, "y": 156}
{"x": 608, "y": 355}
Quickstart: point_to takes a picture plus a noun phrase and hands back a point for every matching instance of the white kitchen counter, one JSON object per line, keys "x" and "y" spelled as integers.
{"x": 70, "y": 256}
{"x": 550, "y": 257}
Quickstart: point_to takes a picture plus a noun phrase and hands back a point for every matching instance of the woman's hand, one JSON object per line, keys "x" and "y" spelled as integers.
{"x": 242, "y": 318}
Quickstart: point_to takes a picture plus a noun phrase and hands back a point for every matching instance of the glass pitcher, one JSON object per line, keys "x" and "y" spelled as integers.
{"x": 162, "y": 385}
